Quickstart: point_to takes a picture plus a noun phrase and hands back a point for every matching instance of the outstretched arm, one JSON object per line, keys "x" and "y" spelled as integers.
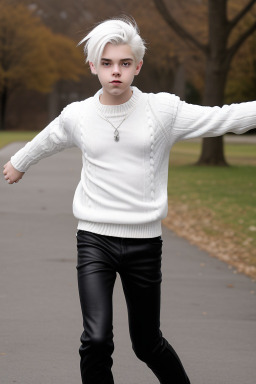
{"x": 195, "y": 121}
{"x": 11, "y": 174}
{"x": 181, "y": 121}
{"x": 57, "y": 136}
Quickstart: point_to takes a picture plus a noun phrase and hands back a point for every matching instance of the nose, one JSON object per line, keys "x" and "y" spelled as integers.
{"x": 116, "y": 70}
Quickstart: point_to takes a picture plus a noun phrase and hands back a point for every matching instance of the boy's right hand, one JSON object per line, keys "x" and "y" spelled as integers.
{"x": 11, "y": 174}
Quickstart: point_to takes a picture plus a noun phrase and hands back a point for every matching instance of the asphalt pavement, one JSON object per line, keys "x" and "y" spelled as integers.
{"x": 208, "y": 310}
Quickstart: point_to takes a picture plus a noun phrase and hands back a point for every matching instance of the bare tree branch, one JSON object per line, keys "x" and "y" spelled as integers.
{"x": 241, "y": 14}
{"x": 181, "y": 31}
{"x": 234, "y": 48}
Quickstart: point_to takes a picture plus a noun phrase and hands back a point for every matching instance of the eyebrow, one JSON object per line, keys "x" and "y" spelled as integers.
{"x": 108, "y": 60}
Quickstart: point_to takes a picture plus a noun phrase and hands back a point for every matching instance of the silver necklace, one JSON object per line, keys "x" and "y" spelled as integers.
{"x": 116, "y": 132}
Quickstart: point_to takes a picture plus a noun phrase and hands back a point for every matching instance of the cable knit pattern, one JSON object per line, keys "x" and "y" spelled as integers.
{"x": 152, "y": 161}
{"x": 123, "y": 186}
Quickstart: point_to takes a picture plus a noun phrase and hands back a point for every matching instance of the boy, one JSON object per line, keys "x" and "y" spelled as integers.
{"x": 125, "y": 137}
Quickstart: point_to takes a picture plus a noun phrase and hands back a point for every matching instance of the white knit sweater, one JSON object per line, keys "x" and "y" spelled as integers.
{"x": 123, "y": 186}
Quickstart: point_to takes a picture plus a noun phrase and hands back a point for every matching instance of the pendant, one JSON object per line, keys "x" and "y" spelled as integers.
{"x": 116, "y": 135}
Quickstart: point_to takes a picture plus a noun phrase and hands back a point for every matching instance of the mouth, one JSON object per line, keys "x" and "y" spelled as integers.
{"x": 116, "y": 82}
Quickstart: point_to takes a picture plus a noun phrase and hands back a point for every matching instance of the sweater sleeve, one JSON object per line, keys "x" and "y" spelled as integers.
{"x": 57, "y": 136}
{"x": 183, "y": 121}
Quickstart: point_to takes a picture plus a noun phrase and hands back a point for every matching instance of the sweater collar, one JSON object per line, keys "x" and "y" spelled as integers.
{"x": 117, "y": 110}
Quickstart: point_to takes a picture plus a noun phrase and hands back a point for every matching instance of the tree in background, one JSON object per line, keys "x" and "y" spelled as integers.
{"x": 241, "y": 85}
{"x": 31, "y": 56}
{"x": 168, "y": 62}
{"x": 222, "y": 45}
{"x": 171, "y": 64}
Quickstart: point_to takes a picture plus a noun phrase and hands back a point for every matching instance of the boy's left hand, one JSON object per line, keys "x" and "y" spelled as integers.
{"x": 11, "y": 174}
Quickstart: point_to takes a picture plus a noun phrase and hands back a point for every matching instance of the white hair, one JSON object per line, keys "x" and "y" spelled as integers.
{"x": 114, "y": 31}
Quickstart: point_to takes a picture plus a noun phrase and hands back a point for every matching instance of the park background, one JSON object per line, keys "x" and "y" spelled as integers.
{"x": 202, "y": 50}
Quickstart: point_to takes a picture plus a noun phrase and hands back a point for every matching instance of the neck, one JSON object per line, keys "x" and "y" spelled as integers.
{"x": 107, "y": 99}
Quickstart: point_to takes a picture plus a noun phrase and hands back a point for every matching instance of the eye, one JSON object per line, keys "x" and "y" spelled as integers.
{"x": 105, "y": 64}
{"x": 126, "y": 63}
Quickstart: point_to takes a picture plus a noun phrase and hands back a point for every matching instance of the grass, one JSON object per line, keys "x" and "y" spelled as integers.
{"x": 10, "y": 137}
{"x": 215, "y": 207}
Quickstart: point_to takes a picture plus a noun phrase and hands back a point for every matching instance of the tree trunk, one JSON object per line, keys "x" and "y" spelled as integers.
{"x": 3, "y": 102}
{"x": 53, "y": 103}
{"x": 218, "y": 56}
{"x": 212, "y": 151}
{"x": 179, "y": 81}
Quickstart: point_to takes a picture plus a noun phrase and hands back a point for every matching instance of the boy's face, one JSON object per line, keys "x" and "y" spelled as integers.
{"x": 116, "y": 72}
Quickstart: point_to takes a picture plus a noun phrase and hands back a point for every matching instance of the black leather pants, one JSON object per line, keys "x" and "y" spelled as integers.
{"x": 138, "y": 261}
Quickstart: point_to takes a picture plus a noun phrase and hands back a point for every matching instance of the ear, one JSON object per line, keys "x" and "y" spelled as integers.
{"x": 93, "y": 68}
{"x": 138, "y": 67}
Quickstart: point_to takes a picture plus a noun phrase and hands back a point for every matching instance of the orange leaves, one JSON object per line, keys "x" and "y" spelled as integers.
{"x": 31, "y": 55}
{"x": 202, "y": 228}
{"x": 69, "y": 61}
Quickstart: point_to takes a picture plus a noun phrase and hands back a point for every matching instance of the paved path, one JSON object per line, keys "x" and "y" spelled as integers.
{"x": 208, "y": 312}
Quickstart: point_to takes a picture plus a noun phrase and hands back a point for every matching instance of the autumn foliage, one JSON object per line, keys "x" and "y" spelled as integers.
{"x": 172, "y": 62}
{"x": 31, "y": 55}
